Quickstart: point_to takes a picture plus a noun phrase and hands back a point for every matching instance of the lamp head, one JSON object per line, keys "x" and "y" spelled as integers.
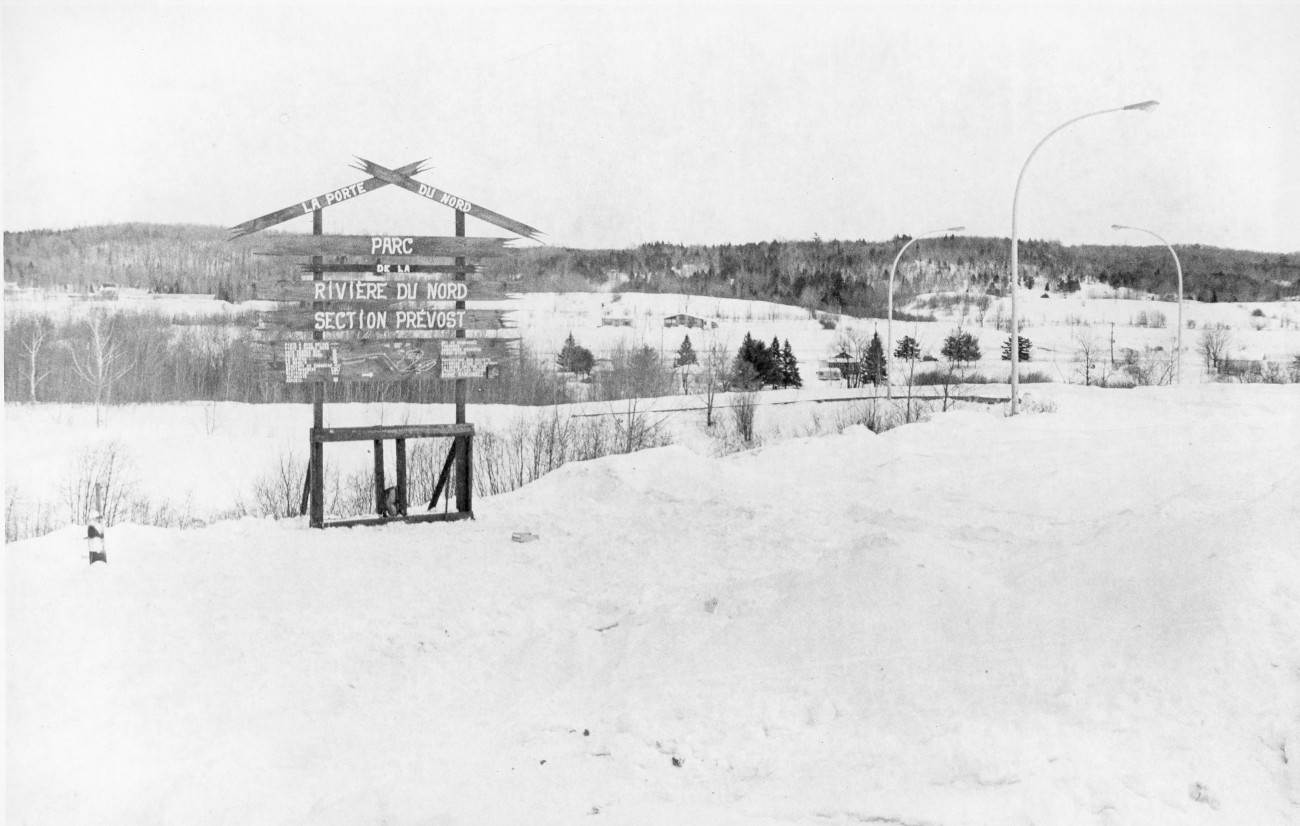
{"x": 1144, "y": 106}
{"x": 955, "y": 229}
{"x": 1118, "y": 226}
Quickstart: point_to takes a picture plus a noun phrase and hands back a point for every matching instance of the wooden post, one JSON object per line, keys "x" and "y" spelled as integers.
{"x": 401, "y": 476}
{"x": 316, "y": 469}
{"x": 463, "y": 470}
{"x": 379, "y": 478}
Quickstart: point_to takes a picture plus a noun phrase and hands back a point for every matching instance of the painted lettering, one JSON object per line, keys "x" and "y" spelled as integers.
{"x": 455, "y": 203}
{"x": 446, "y": 291}
{"x": 385, "y": 245}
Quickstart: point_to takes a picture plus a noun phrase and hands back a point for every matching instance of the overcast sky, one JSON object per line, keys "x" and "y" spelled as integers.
{"x": 611, "y": 126}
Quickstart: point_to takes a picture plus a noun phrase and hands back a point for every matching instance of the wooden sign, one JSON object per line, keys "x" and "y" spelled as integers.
{"x": 336, "y": 196}
{"x": 398, "y": 178}
{"x": 374, "y": 292}
{"x": 382, "y": 268}
{"x": 467, "y": 359}
{"x": 386, "y": 361}
{"x": 406, "y": 321}
{"x": 387, "y": 245}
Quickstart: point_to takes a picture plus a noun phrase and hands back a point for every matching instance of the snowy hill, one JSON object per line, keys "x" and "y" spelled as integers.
{"x": 1089, "y": 616}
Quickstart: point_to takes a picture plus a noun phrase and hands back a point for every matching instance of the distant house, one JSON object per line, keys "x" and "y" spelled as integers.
{"x": 616, "y": 315}
{"x": 687, "y": 270}
{"x": 684, "y": 320}
{"x": 846, "y": 367}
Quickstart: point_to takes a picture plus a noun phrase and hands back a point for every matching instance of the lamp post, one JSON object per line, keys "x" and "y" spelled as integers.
{"x": 1178, "y": 355}
{"x": 1015, "y": 204}
{"x": 889, "y": 325}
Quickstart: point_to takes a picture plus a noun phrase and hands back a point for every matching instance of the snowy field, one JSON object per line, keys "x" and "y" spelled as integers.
{"x": 1088, "y": 616}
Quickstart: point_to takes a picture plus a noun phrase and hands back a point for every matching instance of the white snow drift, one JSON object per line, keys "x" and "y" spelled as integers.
{"x": 1088, "y": 617}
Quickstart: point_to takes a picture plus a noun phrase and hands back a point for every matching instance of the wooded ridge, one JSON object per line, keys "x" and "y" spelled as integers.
{"x": 836, "y": 275}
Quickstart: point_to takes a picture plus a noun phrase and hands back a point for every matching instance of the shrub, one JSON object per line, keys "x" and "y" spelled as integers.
{"x": 743, "y": 407}
{"x": 278, "y": 492}
{"x": 99, "y": 481}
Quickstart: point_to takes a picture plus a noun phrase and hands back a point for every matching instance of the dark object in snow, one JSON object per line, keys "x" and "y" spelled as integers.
{"x": 523, "y": 536}
{"x": 586, "y": 733}
{"x": 677, "y": 761}
{"x": 543, "y": 762}
{"x": 392, "y": 507}
{"x": 95, "y": 540}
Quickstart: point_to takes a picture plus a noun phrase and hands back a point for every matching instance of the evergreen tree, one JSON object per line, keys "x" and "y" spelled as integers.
{"x": 745, "y": 373}
{"x": 961, "y": 347}
{"x": 685, "y": 354}
{"x": 790, "y": 368}
{"x": 907, "y": 349}
{"x": 574, "y": 358}
{"x": 874, "y": 366}
{"x": 1024, "y": 348}
{"x": 774, "y": 369}
{"x": 757, "y": 365}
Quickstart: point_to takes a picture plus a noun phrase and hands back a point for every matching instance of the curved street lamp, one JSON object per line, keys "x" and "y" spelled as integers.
{"x": 1178, "y": 356}
{"x": 889, "y": 325}
{"x": 1015, "y": 204}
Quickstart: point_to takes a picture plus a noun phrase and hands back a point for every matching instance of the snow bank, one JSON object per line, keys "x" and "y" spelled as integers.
{"x": 1081, "y": 617}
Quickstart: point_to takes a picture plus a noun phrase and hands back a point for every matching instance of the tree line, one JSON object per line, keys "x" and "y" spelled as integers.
{"x": 849, "y": 276}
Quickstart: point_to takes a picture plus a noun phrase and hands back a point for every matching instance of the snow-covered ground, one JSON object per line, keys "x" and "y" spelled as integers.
{"x": 1090, "y": 616}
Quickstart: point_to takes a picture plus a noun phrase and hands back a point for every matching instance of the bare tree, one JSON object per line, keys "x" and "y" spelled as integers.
{"x": 1213, "y": 343}
{"x": 713, "y": 376}
{"x": 101, "y": 361}
{"x": 32, "y": 342}
{"x": 1088, "y": 350}
{"x": 856, "y": 344}
{"x": 743, "y": 407}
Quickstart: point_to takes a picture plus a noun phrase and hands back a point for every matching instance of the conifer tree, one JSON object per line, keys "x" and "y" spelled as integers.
{"x": 960, "y": 347}
{"x": 874, "y": 366}
{"x": 1025, "y": 346}
{"x": 790, "y": 367}
{"x": 685, "y": 354}
{"x": 907, "y": 349}
{"x": 574, "y": 358}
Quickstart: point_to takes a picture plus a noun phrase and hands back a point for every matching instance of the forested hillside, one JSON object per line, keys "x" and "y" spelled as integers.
{"x": 844, "y": 276}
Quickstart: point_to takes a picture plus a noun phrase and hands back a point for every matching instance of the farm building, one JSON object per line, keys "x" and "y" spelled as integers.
{"x": 684, "y": 320}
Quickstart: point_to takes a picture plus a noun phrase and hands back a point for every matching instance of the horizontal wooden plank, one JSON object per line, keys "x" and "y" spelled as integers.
{"x": 277, "y": 333}
{"x": 398, "y": 321}
{"x": 378, "y": 267}
{"x": 308, "y": 206}
{"x": 362, "y": 521}
{"x": 379, "y": 291}
{"x": 327, "y": 362}
{"x": 435, "y": 246}
{"x": 402, "y": 179}
{"x": 400, "y": 431}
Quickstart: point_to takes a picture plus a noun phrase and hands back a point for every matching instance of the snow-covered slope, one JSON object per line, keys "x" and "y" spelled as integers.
{"x": 1089, "y": 616}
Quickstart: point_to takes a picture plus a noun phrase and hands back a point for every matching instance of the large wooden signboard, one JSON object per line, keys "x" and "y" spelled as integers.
{"x": 395, "y": 318}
